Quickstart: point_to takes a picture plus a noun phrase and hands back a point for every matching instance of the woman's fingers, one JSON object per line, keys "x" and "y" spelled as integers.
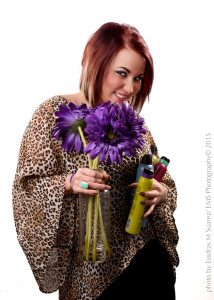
{"x": 98, "y": 186}
{"x": 79, "y": 190}
{"x": 86, "y": 178}
{"x": 153, "y": 197}
{"x": 93, "y": 182}
{"x": 105, "y": 175}
{"x": 150, "y": 202}
{"x": 90, "y": 173}
{"x": 151, "y": 194}
{"x": 149, "y": 211}
{"x": 133, "y": 185}
{"x": 94, "y": 178}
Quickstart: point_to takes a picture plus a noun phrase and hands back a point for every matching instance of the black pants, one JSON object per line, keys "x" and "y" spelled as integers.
{"x": 149, "y": 276}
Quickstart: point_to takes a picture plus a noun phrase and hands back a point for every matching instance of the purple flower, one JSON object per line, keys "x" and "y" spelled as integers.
{"x": 69, "y": 118}
{"x": 113, "y": 129}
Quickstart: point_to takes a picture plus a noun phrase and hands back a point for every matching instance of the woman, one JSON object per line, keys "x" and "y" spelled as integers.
{"x": 116, "y": 66}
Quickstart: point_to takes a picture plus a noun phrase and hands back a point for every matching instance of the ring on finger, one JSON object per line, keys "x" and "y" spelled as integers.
{"x": 84, "y": 185}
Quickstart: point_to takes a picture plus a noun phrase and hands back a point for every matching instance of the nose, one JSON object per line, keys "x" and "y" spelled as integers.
{"x": 128, "y": 87}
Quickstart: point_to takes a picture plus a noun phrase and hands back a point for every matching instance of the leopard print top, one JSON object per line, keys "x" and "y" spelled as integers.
{"x": 47, "y": 221}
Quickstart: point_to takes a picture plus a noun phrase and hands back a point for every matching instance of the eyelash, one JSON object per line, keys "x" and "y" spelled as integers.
{"x": 124, "y": 74}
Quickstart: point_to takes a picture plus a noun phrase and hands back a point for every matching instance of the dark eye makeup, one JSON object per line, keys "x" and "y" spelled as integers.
{"x": 124, "y": 74}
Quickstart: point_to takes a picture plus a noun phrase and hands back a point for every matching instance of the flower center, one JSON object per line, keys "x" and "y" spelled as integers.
{"x": 76, "y": 123}
{"x": 110, "y": 136}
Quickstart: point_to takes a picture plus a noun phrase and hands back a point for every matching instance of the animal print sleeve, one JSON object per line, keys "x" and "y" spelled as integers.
{"x": 39, "y": 202}
{"x": 162, "y": 219}
{"x": 167, "y": 181}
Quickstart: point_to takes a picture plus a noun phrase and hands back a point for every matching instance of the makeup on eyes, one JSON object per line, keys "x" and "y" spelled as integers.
{"x": 124, "y": 74}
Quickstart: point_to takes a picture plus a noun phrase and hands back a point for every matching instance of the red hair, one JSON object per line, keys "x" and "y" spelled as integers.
{"x": 99, "y": 52}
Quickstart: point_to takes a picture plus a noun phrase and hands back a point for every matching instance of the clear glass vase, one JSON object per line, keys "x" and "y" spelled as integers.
{"x": 94, "y": 218}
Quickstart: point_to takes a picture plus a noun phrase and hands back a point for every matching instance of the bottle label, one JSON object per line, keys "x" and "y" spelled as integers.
{"x": 128, "y": 223}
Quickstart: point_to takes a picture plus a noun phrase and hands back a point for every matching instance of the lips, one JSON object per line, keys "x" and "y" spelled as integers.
{"x": 120, "y": 96}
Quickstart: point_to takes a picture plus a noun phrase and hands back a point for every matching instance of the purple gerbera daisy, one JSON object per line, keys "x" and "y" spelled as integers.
{"x": 69, "y": 118}
{"x": 113, "y": 129}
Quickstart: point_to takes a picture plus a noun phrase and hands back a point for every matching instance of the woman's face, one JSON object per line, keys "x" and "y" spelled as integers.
{"x": 124, "y": 77}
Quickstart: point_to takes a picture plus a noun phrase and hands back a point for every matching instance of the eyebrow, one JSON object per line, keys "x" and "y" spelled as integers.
{"x": 130, "y": 71}
{"x": 125, "y": 69}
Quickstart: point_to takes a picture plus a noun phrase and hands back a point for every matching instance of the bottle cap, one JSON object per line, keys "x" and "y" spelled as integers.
{"x": 148, "y": 173}
{"x": 154, "y": 149}
{"x": 164, "y": 160}
{"x": 147, "y": 159}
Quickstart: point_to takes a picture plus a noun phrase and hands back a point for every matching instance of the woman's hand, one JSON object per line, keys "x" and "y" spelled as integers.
{"x": 94, "y": 178}
{"x": 156, "y": 196}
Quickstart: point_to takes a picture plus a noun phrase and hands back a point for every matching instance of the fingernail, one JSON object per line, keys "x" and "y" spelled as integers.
{"x": 142, "y": 194}
{"x": 143, "y": 202}
{"x": 108, "y": 187}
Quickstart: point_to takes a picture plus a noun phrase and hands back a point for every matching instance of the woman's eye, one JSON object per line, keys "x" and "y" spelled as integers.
{"x": 121, "y": 73}
{"x": 138, "y": 78}
{"x": 124, "y": 74}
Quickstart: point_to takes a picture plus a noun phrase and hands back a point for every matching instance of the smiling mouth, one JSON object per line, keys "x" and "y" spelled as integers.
{"x": 121, "y": 96}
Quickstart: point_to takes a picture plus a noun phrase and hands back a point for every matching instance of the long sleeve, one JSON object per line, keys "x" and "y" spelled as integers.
{"x": 162, "y": 219}
{"x": 39, "y": 202}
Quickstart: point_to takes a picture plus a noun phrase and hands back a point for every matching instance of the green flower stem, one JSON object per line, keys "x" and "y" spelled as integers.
{"x": 88, "y": 227}
{"x": 97, "y": 203}
{"x": 95, "y": 227}
{"x": 90, "y": 205}
{"x": 93, "y": 164}
{"x": 95, "y": 167}
{"x": 85, "y": 144}
{"x": 89, "y": 215}
{"x": 103, "y": 234}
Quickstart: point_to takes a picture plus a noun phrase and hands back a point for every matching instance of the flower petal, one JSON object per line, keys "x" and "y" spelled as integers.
{"x": 78, "y": 143}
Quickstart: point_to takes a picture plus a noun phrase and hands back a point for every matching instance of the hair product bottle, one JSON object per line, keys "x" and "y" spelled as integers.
{"x": 137, "y": 210}
{"x": 146, "y": 162}
{"x": 154, "y": 154}
{"x": 160, "y": 168}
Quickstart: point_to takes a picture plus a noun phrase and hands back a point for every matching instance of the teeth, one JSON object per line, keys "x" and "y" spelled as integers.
{"x": 120, "y": 96}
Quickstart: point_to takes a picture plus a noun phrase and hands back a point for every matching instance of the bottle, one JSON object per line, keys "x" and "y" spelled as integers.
{"x": 159, "y": 171}
{"x": 137, "y": 210}
{"x": 154, "y": 154}
{"x": 160, "y": 168}
{"x": 146, "y": 162}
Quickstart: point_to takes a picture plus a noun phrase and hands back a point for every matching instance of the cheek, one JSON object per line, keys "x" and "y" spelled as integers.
{"x": 111, "y": 82}
{"x": 137, "y": 88}
{"x": 107, "y": 87}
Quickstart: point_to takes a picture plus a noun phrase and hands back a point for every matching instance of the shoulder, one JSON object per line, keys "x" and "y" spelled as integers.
{"x": 51, "y": 104}
{"x": 43, "y": 117}
{"x": 78, "y": 98}
{"x": 150, "y": 141}
{"x": 148, "y": 134}
{"x": 47, "y": 109}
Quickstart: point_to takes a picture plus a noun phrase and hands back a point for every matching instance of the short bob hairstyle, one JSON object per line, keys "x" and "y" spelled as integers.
{"x": 100, "y": 51}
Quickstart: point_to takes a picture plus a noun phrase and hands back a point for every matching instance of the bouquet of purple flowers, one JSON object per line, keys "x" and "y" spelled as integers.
{"x": 111, "y": 130}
